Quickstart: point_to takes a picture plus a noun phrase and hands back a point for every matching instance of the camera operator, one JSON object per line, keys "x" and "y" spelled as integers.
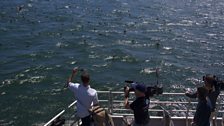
{"x": 210, "y": 84}
{"x": 139, "y": 106}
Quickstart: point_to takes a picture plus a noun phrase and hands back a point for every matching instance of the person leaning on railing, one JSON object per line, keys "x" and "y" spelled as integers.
{"x": 210, "y": 84}
{"x": 139, "y": 106}
{"x": 85, "y": 95}
{"x": 203, "y": 110}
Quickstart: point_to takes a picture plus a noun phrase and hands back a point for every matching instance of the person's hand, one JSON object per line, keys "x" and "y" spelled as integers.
{"x": 188, "y": 91}
{"x": 75, "y": 70}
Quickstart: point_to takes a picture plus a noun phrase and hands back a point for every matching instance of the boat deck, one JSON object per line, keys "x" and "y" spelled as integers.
{"x": 155, "y": 121}
{"x": 169, "y": 107}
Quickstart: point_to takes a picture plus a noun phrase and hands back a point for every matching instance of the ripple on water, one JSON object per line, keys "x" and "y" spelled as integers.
{"x": 148, "y": 70}
{"x": 167, "y": 48}
{"x": 61, "y": 45}
{"x": 125, "y": 42}
{"x": 27, "y": 76}
{"x": 186, "y": 23}
{"x": 194, "y": 81}
{"x": 190, "y": 41}
{"x": 7, "y": 123}
{"x": 94, "y": 56}
{"x": 100, "y": 65}
{"x": 110, "y": 58}
{"x": 211, "y": 34}
{"x": 168, "y": 64}
{"x": 178, "y": 86}
{"x": 129, "y": 59}
{"x": 8, "y": 81}
{"x": 32, "y": 80}
{"x": 3, "y": 93}
{"x": 56, "y": 91}
{"x": 126, "y": 58}
{"x": 73, "y": 62}
{"x": 96, "y": 46}
{"x": 30, "y": 5}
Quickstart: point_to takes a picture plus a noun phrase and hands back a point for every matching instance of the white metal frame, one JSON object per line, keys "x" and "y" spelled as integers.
{"x": 110, "y": 101}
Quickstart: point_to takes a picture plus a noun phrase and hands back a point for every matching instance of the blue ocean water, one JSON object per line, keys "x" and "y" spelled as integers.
{"x": 42, "y": 40}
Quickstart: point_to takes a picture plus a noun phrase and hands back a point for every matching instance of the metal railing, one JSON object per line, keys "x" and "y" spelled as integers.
{"x": 60, "y": 113}
{"x": 113, "y": 102}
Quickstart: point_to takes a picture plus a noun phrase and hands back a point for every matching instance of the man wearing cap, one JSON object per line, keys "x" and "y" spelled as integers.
{"x": 210, "y": 84}
{"x": 139, "y": 106}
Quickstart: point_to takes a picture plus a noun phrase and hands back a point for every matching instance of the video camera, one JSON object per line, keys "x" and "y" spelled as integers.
{"x": 150, "y": 90}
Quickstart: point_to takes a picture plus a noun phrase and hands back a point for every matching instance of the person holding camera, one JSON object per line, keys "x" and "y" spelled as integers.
{"x": 203, "y": 110}
{"x": 85, "y": 95}
{"x": 139, "y": 106}
{"x": 213, "y": 89}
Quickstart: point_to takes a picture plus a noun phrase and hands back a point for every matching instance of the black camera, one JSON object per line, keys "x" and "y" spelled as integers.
{"x": 150, "y": 90}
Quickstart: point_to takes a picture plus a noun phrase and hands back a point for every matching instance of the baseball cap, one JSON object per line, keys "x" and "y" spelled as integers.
{"x": 139, "y": 87}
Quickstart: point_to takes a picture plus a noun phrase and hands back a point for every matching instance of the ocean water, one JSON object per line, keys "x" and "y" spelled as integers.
{"x": 115, "y": 40}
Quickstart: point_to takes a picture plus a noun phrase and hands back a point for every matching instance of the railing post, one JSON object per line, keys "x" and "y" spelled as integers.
{"x": 78, "y": 122}
{"x": 222, "y": 119}
{"x": 187, "y": 113}
{"x": 216, "y": 112}
{"x": 110, "y": 102}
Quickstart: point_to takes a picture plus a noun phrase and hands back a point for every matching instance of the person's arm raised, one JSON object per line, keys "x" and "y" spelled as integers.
{"x": 126, "y": 94}
{"x": 74, "y": 72}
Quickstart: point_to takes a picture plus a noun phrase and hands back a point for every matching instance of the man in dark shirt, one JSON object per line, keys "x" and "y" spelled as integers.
{"x": 213, "y": 92}
{"x": 203, "y": 110}
{"x": 139, "y": 106}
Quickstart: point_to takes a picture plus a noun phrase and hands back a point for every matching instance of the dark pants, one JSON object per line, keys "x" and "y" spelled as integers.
{"x": 86, "y": 121}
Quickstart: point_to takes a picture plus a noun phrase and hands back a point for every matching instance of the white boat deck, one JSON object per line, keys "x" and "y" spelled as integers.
{"x": 155, "y": 121}
{"x": 179, "y": 108}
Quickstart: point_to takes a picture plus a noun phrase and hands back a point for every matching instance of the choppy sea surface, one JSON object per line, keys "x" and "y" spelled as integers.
{"x": 42, "y": 40}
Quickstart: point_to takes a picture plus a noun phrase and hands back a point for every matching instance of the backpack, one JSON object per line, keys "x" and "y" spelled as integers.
{"x": 101, "y": 117}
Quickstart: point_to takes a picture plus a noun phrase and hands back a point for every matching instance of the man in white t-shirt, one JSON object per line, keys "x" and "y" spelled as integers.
{"x": 85, "y": 95}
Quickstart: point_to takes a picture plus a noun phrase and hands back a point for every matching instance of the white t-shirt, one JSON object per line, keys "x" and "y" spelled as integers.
{"x": 86, "y": 97}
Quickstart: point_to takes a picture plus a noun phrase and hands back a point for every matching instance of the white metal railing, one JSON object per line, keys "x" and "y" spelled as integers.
{"x": 60, "y": 113}
{"x": 113, "y": 102}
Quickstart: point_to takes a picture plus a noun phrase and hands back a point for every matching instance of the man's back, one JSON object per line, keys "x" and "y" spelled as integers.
{"x": 86, "y": 96}
{"x": 140, "y": 108}
{"x": 202, "y": 114}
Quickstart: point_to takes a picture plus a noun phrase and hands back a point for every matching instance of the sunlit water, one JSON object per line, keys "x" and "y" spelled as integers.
{"x": 42, "y": 40}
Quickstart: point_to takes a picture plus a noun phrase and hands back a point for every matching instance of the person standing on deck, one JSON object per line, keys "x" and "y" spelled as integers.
{"x": 85, "y": 95}
{"x": 210, "y": 83}
{"x": 203, "y": 110}
{"x": 139, "y": 106}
